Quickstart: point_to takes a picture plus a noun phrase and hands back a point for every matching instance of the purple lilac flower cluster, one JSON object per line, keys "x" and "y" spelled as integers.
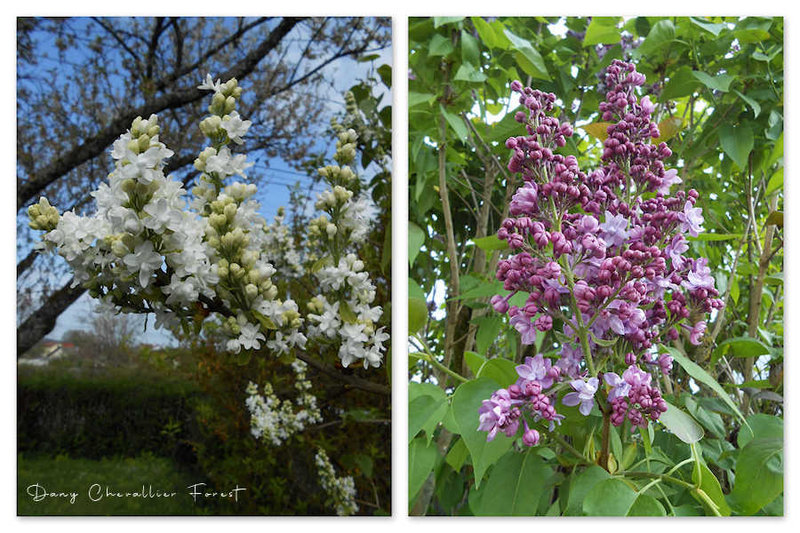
{"x": 601, "y": 255}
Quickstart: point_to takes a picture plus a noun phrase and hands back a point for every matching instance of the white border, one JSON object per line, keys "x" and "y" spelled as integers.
{"x": 399, "y": 10}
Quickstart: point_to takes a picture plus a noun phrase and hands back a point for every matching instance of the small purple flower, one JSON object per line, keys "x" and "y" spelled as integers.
{"x": 537, "y": 369}
{"x": 700, "y": 276}
{"x": 677, "y": 247}
{"x": 619, "y": 387}
{"x": 636, "y": 377}
{"x": 692, "y": 219}
{"x": 497, "y": 414}
{"x": 670, "y": 178}
{"x": 524, "y": 200}
{"x": 696, "y": 332}
{"x": 614, "y": 229}
{"x": 584, "y": 395}
{"x": 665, "y": 363}
{"x": 525, "y": 328}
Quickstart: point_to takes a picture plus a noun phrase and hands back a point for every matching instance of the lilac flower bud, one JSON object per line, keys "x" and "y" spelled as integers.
{"x": 530, "y": 437}
{"x": 499, "y": 303}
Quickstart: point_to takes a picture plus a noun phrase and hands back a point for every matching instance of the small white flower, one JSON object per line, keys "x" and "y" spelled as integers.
{"x": 143, "y": 260}
{"x": 235, "y": 127}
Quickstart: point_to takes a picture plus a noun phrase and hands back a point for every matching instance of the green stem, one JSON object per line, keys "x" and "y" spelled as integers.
{"x": 660, "y": 477}
{"x": 432, "y": 360}
{"x": 570, "y": 448}
{"x": 583, "y": 332}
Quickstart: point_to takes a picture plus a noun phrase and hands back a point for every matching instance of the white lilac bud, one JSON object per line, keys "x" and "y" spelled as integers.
{"x": 251, "y": 290}
{"x": 210, "y": 126}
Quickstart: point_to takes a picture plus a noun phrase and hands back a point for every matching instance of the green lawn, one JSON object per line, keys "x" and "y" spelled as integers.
{"x": 89, "y": 479}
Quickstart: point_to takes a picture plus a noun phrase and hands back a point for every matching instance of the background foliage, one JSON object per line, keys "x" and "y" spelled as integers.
{"x": 718, "y": 86}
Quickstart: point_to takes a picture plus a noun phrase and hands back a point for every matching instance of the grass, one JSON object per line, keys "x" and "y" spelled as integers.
{"x": 85, "y": 477}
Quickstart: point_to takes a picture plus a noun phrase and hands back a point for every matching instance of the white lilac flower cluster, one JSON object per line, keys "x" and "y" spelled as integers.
{"x": 280, "y": 249}
{"x": 346, "y": 315}
{"x": 142, "y": 250}
{"x": 146, "y": 251}
{"x": 341, "y": 490}
{"x": 275, "y": 420}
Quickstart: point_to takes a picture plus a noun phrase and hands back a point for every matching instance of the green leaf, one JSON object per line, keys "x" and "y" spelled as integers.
{"x": 759, "y": 475}
{"x": 492, "y": 242}
{"x": 668, "y": 128}
{"x": 532, "y": 63}
{"x": 346, "y": 313}
{"x": 703, "y": 477}
{"x": 598, "y": 130}
{"x": 777, "y": 152}
{"x": 694, "y": 370}
{"x": 737, "y": 142}
{"x": 681, "y": 83}
{"x": 581, "y": 485}
{"x": 755, "y": 106}
{"x": 416, "y": 239}
{"x": 717, "y": 82}
{"x": 474, "y": 361}
{"x": 485, "y": 32}
{"x": 604, "y": 342}
{"x": 742, "y": 347}
{"x": 752, "y": 30}
{"x": 470, "y": 49}
{"x": 681, "y": 424}
{"x": 482, "y": 290}
{"x": 616, "y": 443}
{"x": 440, "y": 46}
{"x": 421, "y": 459}
{"x": 385, "y": 72}
{"x": 602, "y": 30}
{"x": 502, "y": 371}
{"x": 425, "y": 413}
{"x": 646, "y": 505}
{"x": 466, "y": 401}
{"x": 611, "y": 497}
{"x": 457, "y": 455}
{"x": 705, "y": 237}
{"x": 414, "y": 290}
{"x": 735, "y": 289}
{"x": 775, "y": 182}
{"x": 710, "y": 27}
{"x": 456, "y": 123}
{"x": 762, "y": 426}
{"x": 775, "y": 218}
{"x": 243, "y": 357}
{"x": 467, "y": 72}
{"x": 415, "y": 98}
{"x": 707, "y": 418}
{"x": 488, "y": 330}
{"x": 441, "y": 21}
{"x": 417, "y": 315}
{"x": 515, "y": 486}
{"x": 661, "y": 34}
{"x": 265, "y": 321}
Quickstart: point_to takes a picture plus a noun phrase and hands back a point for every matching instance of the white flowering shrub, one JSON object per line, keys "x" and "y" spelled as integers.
{"x": 205, "y": 260}
{"x": 341, "y": 491}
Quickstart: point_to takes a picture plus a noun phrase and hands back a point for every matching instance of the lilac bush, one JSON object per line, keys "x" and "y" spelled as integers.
{"x": 600, "y": 255}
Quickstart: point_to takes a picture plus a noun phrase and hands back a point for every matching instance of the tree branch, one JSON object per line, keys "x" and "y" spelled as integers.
{"x": 95, "y": 145}
{"x": 40, "y": 323}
